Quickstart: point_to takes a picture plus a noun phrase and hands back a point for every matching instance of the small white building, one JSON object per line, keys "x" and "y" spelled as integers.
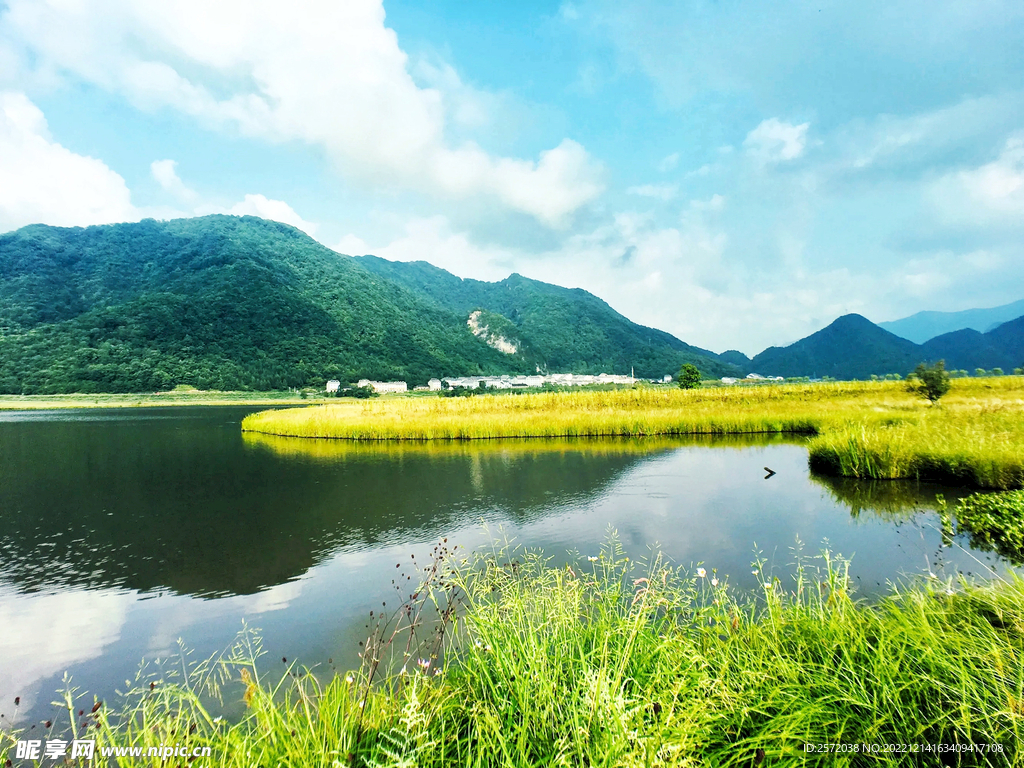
{"x": 434, "y": 385}
{"x": 385, "y": 387}
{"x": 333, "y": 385}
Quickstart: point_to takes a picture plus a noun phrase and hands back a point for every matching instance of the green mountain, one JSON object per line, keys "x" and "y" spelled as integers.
{"x": 1009, "y": 337}
{"x": 923, "y": 326}
{"x": 735, "y": 357}
{"x": 853, "y": 347}
{"x": 219, "y": 303}
{"x": 556, "y": 329}
{"x": 966, "y": 348}
{"x": 223, "y": 302}
{"x": 1001, "y": 347}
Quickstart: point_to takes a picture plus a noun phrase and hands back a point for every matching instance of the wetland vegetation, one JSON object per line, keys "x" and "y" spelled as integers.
{"x": 608, "y": 661}
{"x": 874, "y": 430}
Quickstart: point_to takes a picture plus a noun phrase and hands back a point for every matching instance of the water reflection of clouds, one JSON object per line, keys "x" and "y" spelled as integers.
{"x": 274, "y": 599}
{"x": 45, "y": 633}
{"x": 696, "y": 503}
{"x": 704, "y": 505}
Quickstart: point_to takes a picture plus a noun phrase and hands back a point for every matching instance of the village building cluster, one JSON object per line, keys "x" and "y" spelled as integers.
{"x": 521, "y": 382}
{"x": 751, "y": 377}
{"x": 536, "y": 380}
{"x": 495, "y": 382}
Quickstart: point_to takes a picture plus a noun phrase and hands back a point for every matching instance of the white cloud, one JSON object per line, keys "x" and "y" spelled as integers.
{"x": 466, "y": 106}
{"x": 658, "y": 191}
{"x": 669, "y": 162}
{"x": 275, "y": 210}
{"x": 704, "y": 170}
{"x": 999, "y": 185}
{"x": 166, "y": 175}
{"x": 321, "y": 72}
{"x": 715, "y": 203}
{"x": 925, "y": 141}
{"x": 44, "y": 182}
{"x": 990, "y": 196}
{"x": 350, "y": 245}
{"x": 432, "y": 239}
{"x": 564, "y": 179}
{"x": 775, "y": 141}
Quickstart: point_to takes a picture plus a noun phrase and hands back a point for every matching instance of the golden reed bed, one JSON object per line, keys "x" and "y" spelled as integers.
{"x": 974, "y": 436}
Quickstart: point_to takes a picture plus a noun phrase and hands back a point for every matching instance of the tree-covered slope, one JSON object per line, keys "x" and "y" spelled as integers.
{"x": 561, "y": 329}
{"x": 852, "y": 347}
{"x": 1002, "y": 347}
{"x": 964, "y": 349}
{"x": 216, "y": 302}
{"x": 1009, "y": 337}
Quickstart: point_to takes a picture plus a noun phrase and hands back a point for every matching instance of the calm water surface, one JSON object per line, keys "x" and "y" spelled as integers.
{"x": 122, "y": 531}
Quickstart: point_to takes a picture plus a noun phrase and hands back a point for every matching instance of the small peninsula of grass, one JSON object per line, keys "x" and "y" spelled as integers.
{"x": 973, "y": 436}
{"x": 611, "y": 662}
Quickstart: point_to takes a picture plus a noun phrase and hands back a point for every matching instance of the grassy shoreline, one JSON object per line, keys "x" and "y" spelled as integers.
{"x": 147, "y": 400}
{"x": 617, "y": 663}
{"x": 974, "y": 436}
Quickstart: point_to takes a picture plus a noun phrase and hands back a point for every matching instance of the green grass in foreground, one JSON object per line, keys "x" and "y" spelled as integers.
{"x": 618, "y": 663}
{"x": 974, "y": 436}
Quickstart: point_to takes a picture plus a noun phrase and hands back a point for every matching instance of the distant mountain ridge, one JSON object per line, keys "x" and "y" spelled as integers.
{"x": 922, "y": 326}
{"x": 225, "y": 302}
{"x": 557, "y": 329}
{"x": 852, "y": 347}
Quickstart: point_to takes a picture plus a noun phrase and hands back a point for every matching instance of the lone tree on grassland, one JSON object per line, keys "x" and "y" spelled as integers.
{"x": 932, "y": 381}
{"x": 689, "y": 376}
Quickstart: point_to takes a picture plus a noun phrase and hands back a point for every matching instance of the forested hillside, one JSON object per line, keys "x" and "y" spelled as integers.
{"x": 224, "y": 302}
{"x": 561, "y": 329}
{"x": 218, "y": 303}
{"x": 853, "y": 347}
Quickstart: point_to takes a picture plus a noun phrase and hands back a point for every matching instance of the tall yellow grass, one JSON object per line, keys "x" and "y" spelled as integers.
{"x": 634, "y": 412}
{"x": 980, "y": 446}
{"x": 974, "y": 435}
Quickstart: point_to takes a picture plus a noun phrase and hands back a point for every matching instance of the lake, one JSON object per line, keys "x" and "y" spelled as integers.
{"x": 125, "y": 530}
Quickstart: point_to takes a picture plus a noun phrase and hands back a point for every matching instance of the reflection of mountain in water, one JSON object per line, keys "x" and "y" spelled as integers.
{"x": 185, "y": 504}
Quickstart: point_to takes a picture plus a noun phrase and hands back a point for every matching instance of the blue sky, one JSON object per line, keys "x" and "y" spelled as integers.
{"x": 736, "y": 173}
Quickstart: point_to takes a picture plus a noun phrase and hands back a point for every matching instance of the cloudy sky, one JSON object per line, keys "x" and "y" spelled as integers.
{"x": 737, "y": 173}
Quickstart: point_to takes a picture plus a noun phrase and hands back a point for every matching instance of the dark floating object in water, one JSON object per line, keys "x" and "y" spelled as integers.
{"x": 770, "y": 472}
